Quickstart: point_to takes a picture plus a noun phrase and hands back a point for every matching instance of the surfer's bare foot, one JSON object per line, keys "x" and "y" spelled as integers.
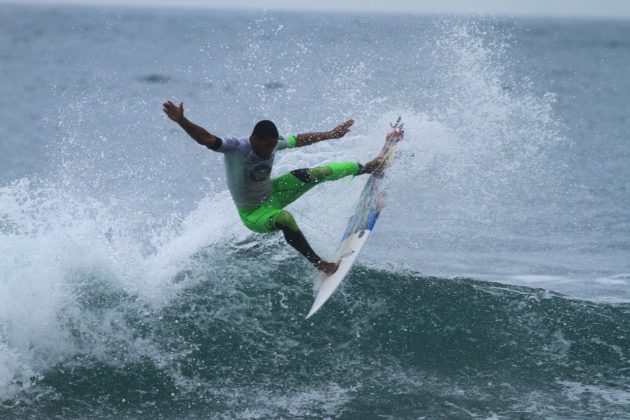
{"x": 326, "y": 267}
{"x": 375, "y": 166}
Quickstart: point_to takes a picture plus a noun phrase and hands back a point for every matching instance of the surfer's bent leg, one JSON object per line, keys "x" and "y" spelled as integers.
{"x": 287, "y": 188}
{"x": 294, "y": 236}
{"x": 265, "y": 219}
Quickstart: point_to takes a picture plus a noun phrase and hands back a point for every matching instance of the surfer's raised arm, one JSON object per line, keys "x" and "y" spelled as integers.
{"x": 306, "y": 139}
{"x": 199, "y": 134}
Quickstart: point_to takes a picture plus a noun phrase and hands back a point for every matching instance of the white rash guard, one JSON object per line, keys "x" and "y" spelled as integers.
{"x": 247, "y": 174}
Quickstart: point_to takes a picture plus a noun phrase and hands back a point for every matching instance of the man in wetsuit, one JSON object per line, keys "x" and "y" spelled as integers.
{"x": 260, "y": 200}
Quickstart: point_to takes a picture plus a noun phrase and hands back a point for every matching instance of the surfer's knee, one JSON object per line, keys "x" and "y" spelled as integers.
{"x": 329, "y": 172}
{"x": 285, "y": 220}
{"x": 312, "y": 175}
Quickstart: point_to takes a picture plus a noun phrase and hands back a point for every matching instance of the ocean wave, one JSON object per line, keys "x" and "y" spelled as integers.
{"x": 234, "y": 336}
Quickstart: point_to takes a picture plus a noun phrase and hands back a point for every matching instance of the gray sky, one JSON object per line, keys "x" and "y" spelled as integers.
{"x": 592, "y": 8}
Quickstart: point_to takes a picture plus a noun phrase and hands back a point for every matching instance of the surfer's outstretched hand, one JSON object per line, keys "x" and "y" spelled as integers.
{"x": 174, "y": 112}
{"x": 394, "y": 134}
{"x": 341, "y": 130}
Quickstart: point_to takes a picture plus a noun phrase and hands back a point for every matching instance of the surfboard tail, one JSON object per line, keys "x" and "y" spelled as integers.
{"x": 347, "y": 254}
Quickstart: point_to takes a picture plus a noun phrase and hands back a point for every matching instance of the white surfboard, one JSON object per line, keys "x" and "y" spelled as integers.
{"x": 359, "y": 226}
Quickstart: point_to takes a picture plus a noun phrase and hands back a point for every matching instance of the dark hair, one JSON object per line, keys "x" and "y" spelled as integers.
{"x": 265, "y": 129}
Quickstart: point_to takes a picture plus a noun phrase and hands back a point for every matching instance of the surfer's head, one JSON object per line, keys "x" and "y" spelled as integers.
{"x": 264, "y": 138}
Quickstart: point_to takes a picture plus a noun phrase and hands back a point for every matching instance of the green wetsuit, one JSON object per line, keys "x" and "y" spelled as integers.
{"x": 287, "y": 188}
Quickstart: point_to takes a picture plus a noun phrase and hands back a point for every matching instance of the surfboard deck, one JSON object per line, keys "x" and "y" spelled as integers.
{"x": 360, "y": 224}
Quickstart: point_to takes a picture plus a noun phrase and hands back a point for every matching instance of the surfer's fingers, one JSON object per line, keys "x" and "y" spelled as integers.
{"x": 345, "y": 125}
{"x": 342, "y": 129}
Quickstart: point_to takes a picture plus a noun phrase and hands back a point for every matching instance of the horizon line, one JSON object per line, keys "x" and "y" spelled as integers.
{"x": 122, "y": 4}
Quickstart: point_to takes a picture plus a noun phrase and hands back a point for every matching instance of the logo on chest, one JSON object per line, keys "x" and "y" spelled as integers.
{"x": 260, "y": 172}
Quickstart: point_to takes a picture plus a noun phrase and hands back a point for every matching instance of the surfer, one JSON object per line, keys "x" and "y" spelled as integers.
{"x": 260, "y": 200}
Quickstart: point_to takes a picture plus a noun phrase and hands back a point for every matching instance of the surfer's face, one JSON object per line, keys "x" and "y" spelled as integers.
{"x": 263, "y": 146}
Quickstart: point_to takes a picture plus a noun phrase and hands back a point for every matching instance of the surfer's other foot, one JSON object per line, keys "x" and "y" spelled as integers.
{"x": 375, "y": 166}
{"x": 326, "y": 267}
